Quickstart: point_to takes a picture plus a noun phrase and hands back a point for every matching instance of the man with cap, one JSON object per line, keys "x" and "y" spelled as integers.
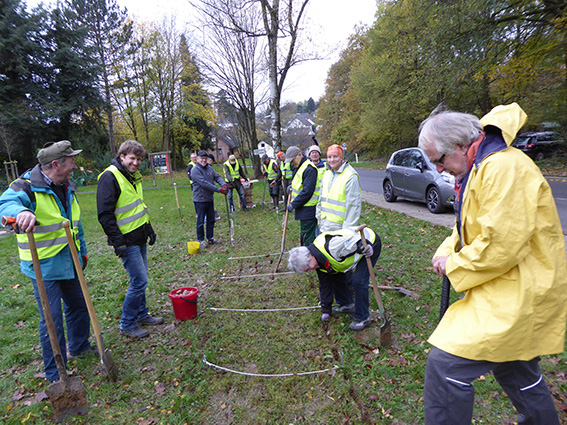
{"x": 304, "y": 193}
{"x": 190, "y": 167}
{"x": 273, "y": 173}
{"x": 340, "y": 202}
{"x": 233, "y": 172}
{"x": 40, "y": 200}
{"x": 124, "y": 218}
{"x": 204, "y": 178}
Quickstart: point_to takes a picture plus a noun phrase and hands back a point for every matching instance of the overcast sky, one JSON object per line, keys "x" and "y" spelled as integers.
{"x": 331, "y": 22}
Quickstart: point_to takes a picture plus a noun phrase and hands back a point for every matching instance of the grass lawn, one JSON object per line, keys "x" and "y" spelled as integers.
{"x": 164, "y": 379}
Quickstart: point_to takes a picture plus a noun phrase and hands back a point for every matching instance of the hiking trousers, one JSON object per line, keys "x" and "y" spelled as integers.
{"x": 449, "y": 394}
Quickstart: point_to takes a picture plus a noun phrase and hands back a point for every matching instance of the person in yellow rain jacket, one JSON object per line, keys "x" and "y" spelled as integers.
{"x": 507, "y": 255}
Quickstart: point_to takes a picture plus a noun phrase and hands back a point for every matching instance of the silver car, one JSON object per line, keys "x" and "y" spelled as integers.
{"x": 411, "y": 175}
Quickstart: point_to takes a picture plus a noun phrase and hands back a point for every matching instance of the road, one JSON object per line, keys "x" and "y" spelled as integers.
{"x": 371, "y": 184}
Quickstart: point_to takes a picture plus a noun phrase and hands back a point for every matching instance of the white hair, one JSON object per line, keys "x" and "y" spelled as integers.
{"x": 447, "y": 130}
{"x": 298, "y": 259}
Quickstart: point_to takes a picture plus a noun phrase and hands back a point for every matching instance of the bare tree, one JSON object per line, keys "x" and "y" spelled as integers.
{"x": 281, "y": 22}
{"x": 234, "y": 59}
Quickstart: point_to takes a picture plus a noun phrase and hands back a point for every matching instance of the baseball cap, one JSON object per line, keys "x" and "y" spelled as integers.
{"x": 202, "y": 153}
{"x": 232, "y": 159}
{"x": 280, "y": 153}
{"x": 291, "y": 153}
{"x": 313, "y": 148}
{"x": 55, "y": 150}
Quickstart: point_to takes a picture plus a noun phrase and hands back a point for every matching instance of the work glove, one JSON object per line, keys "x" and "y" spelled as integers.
{"x": 290, "y": 208}
{"x": 368, "y": 251}
{"x": 120, "y": 251}
{"x": 152, "y": 237}
{"x": 224, "y": 189}
{"x": 85, "y": 261}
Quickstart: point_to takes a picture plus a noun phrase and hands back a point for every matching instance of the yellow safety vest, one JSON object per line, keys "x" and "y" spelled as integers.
{"x": 234, "y": 172}
{"x": 333, "y": 200}
{"x": 321, "y": 242}
{"x": 297, "y": 184}
{"x": 272, "y": 173}
{"x": 50, "y": 236}
{"x": 288, "y": 174}
{"x": 192, "y": 164}
{"x": 131, "y": 212}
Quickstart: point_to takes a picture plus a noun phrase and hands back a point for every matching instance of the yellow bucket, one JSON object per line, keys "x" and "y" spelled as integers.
{"x": 193, "y": 247}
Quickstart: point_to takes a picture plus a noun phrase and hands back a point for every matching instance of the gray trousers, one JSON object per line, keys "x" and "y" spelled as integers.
{"x": 449, "y": 394}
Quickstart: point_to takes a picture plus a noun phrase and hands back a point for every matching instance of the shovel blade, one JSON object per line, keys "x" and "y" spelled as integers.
{"x": 68, "y": 399}
{"x": 386, "y": 333}
{"x": 108, "y": 366}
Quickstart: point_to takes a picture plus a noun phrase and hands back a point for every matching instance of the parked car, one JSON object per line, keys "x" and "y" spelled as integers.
{"x": 539, "y": 145}
{"x": 411, "y": 175}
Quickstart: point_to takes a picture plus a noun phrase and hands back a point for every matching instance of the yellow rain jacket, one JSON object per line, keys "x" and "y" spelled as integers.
{"x": 512, "y": 261}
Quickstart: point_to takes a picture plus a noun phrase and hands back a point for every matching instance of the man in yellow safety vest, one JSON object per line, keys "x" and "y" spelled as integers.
{"x": 124, "y": 218}
{"x": 233, "y": 172}
{"x": 40, "y": 200}
{"x": 304, "y": 193}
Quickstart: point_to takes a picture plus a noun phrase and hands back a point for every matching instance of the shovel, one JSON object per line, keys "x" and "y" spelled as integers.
{"x": 106, "y": 360}
{"x": 230, "y": 223}
{"x": 177, "y": 200}
{"x": 283, "y": 235}
{"x": 386, "y": 328}
{"x": 67, "y": 396}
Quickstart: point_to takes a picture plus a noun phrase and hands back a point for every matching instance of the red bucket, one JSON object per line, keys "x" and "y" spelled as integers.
{"x": 184, "y": 302}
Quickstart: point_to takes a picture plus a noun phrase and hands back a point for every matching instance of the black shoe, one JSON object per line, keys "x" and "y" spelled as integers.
{"x": 358, "y": 326}
{"x": 150, "y": 321}
{"x": 135, "y": 332}
{"x": 86, "y": 353}
{"x": 348, "y": 309}
{"x": 213, "y": 241}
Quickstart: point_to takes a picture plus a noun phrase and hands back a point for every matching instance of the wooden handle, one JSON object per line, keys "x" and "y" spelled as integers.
{"x": 360, "y": 229}
{"x": 47, "y": 311}
{"x": 84, "y": 287}
{"x": 176, "y": 198}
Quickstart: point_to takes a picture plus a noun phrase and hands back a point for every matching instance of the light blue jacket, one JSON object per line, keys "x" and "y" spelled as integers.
{"x": 17, "y": 199}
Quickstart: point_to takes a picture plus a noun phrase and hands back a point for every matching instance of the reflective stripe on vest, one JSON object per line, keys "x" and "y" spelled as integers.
{"x": 288, "y": 174}
{"x": 297, "y": 184}
{"x": 234, "y": 172}
{"x": 272, "y": 173}
{"x": 50, "y": 237}
{"x": 333, "y": 200}
{"x": 130, "y": 212}
{"x": 321, "y": 242}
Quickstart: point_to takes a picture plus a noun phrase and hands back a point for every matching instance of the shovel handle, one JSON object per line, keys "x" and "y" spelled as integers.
{"x": 445, "y": 290}
{"x": 47, "y": 311}
{"x": 84, "y": 287}
{"x": 360, "y": 229}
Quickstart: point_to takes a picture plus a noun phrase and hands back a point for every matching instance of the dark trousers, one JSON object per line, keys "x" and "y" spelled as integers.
{"x": 361, "y": 281}
{"x": 76, "y": 317}
{"x": 205, "y": 210}
{"x": 308, "y": 231}
{"x": 334, "y": 286}
{"x": 449, "y": 394}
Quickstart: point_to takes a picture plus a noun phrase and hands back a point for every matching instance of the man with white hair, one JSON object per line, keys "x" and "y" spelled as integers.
{"x": 333, "y": 255}
{"x": 507, "y": 255}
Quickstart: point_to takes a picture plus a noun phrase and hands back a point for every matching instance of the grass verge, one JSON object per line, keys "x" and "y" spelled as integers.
{"x": 163, "y": 378}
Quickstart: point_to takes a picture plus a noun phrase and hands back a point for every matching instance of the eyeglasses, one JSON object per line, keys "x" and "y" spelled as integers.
{"x": 440, "y": 160}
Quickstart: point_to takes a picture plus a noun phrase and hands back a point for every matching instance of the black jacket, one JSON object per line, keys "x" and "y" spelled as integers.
{"x": 309, "y": 184}
{"x": 107, "y": 194}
